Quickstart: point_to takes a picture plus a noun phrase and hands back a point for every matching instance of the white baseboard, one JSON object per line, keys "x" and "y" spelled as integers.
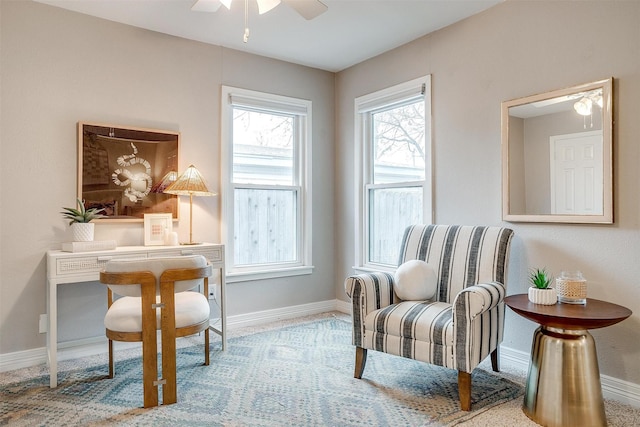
{"x": 343, "y": 306}
{"x": 612, "y": 388}
{"x": 516, "y": 358}
{"x": 267, "y": 316}
{"x": 98, "y": 345}
{"x": 23, "y": 359}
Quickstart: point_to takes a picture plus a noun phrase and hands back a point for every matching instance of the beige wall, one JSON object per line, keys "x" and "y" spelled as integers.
{"x": 515, "y": 49}
{"x": 60, "y": 67}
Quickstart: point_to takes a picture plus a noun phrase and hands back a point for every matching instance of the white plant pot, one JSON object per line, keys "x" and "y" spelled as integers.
{"x": 543, "y": 296}
{"x": 82, "y": 231}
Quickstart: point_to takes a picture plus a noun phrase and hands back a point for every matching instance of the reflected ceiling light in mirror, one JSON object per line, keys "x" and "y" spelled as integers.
{"x": 583, "y": 107}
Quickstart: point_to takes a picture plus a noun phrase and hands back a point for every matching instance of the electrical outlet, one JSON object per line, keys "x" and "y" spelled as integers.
{"x": 212, "y": 295}
{"x": 42, "y": 324}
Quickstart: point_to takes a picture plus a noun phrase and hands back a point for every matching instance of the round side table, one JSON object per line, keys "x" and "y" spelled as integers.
{"x": 563, "y": 384}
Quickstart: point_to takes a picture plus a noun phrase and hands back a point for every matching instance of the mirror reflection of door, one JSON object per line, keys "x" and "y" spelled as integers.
{"x": 576, "y": 173}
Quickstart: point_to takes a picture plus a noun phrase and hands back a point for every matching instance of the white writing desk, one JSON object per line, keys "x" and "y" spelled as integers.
{"x": 75, "y": 267}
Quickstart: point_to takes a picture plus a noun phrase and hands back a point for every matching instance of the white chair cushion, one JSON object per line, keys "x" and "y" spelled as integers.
{"x": 156, "y": 266}
{"x": 415, "y": 280}
{"x": 125, "y": 315}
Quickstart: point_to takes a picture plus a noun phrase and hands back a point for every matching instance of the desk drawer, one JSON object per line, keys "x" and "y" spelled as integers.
{"x": 87, "y": 264}
{"x": 211, "y": 254}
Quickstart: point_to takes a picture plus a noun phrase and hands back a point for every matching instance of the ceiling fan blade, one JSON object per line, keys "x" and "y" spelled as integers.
{"x": 265, "y": 6}
{"x": 309, "y": 9}
{"x": 206, "y": 5}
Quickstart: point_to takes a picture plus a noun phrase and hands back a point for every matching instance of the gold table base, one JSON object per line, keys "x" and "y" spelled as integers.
{"x": 563, "y": 385}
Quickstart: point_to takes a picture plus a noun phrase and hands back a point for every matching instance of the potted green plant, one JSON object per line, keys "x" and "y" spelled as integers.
{"x": 540, "y": 291}
{"x": 82, "y": 229}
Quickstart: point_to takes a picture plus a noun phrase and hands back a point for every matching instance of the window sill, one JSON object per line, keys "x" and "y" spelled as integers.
{"x": 373, "y": 269}
{"x": 268, "y": 274}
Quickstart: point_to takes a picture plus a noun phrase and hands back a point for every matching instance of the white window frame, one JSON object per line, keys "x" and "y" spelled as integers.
{"x": 365, "y": 106}
{"x": 269, "y": 103}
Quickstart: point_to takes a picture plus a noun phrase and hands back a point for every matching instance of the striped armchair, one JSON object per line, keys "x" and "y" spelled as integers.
{"x": 461, "y": 326}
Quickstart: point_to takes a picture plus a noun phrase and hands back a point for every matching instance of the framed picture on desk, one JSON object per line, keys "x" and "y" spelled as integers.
{"x": 156, "y": 228}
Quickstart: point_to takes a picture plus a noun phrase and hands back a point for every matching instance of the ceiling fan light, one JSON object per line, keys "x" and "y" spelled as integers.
{"x": 583, "y": 107}
{"x": 309, "y": 9}
{"x": 206, "y": 6}
{"x": 265, "y": 6}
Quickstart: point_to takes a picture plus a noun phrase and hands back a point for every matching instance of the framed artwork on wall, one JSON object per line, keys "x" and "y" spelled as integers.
{"x": 124, "y": 170}
{"x": 156, "y": 228}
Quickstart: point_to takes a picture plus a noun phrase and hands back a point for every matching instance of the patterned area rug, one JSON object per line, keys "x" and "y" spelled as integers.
{"x": 299, "y": 375}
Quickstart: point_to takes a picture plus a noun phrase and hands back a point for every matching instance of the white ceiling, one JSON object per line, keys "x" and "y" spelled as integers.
{"x": 350, "y": 32}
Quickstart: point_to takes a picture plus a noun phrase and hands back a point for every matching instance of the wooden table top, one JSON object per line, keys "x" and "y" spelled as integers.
{"x": 594, "y": 314}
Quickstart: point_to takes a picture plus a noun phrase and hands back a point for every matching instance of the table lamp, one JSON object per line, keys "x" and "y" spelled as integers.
{"x": 190, "y": 183}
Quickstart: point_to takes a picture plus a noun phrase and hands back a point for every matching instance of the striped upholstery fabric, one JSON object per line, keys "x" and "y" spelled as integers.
{"x": 397, "y": 329}
{"x": 465, "y": 323}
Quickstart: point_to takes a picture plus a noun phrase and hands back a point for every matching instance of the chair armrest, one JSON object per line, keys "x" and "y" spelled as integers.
{"x": 368, "y": 292}
{"x": 478, "y": 316}
{"x": 477, "y": 299}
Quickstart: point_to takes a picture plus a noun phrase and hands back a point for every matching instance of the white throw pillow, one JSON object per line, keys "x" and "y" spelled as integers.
{"x": 415, "y": 280}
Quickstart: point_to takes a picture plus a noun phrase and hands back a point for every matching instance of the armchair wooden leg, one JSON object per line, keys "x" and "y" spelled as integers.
{"x": 112, "y": 367}
{"x": 206, "y": 347}
{"x": 464, "y": 390}
{"x": 495, "y": 359}
{"x": 361, "y": 360}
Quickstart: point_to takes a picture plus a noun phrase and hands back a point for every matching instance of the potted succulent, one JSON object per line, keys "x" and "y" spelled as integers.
{"x": 82, "y": 228}
{"x": 540, "y": 291}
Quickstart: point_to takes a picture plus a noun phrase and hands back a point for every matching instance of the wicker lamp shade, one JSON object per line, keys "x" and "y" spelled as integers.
{"x": 190, "y": 183}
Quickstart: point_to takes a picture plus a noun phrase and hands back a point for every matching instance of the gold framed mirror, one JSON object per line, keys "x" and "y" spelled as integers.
{"x": 557, "y": 163}
{"x": 124, "y": 170}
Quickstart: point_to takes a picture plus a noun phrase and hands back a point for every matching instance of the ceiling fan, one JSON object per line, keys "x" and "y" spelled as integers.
{"x": 309, "y": 9}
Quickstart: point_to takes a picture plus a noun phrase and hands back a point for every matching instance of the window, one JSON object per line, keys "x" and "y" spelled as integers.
{"x": 266, "y": 203}
{"x": 393, "y": 144}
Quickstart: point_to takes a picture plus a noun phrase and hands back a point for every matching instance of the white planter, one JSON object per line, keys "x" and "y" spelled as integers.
{"x": 543, "y": 296}
{"x": 82, "y": 231}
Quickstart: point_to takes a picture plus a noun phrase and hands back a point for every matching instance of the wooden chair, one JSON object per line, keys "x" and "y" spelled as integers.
{"x": 155, "y": 295}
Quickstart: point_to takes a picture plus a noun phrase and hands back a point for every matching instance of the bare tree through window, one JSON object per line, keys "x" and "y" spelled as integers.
{"x": 399, "y": 143}
{"x": 398, "y": 151}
